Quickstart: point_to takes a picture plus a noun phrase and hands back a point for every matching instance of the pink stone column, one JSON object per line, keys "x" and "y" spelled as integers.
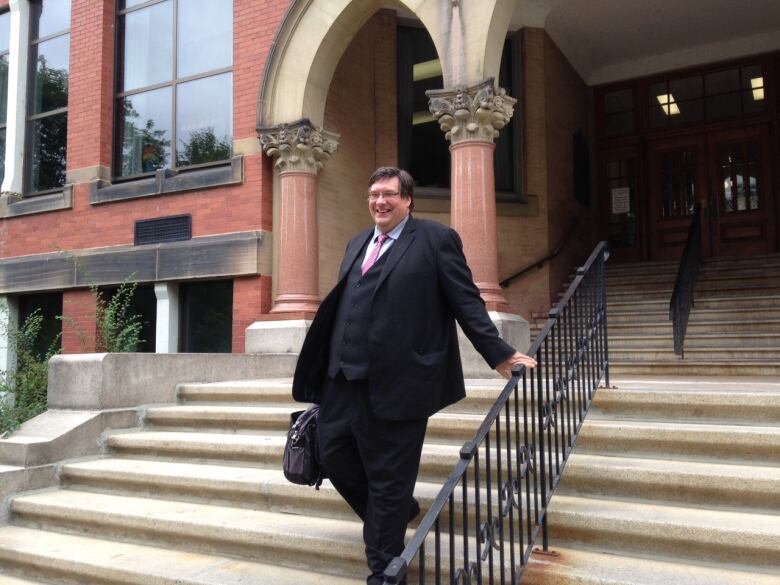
{"x": 300, "y": 150}
{"x": 473, "y": 215}
{"x": 297, "y": 278}
{"x": 471, "y": 118}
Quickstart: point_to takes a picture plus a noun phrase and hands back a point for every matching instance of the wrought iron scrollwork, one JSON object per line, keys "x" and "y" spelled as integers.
{"x": 465, "y": 575}
{"x": 527, "y": 458}
{"x": 487, "y": 536}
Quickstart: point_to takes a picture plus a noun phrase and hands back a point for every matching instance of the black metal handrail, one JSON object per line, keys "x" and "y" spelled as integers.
{"x": 681, "y": 302}
{"x": 507, "y": 473}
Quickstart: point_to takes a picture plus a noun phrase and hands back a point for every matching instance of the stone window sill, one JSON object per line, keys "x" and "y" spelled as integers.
{"x": 16, "y": 205}
{"x": 166, "y": 181}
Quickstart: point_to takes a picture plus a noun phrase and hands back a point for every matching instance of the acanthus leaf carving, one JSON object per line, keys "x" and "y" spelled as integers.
{"x": 471, "y": 113}
{"x": 298, "y": 146}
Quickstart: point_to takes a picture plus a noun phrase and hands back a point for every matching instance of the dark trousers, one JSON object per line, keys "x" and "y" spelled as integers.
{"x": 373, "y": 463}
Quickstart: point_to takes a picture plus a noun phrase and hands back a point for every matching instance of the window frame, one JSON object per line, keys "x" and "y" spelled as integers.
{"x": 175, "y": 81}
{"x": 514, "y": 44}
{"x": 34, "y": 41}
{"x": 4, "y": 125}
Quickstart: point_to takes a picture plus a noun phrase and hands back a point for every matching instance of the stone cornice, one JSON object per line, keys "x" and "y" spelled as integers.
{"x": 471, "y": 113}
{"x": 299, "y": 146}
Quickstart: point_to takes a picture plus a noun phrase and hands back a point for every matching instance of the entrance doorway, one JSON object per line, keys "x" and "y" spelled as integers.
{"x": 727, "y": 173}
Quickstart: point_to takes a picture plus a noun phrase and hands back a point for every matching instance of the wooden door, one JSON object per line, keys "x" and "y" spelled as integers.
{"x": 741, "y": 206}
{"x": 677, "y": 180}
{"x": 620, "y": 197}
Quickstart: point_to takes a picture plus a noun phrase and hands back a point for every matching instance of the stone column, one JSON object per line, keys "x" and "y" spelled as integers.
{"x": 167, "y": 329}
{"x": 9, "y": 322}
{"x": 19, "y": 44}
{"x": 300, "y": 149}
{"x": 471, "y": 118}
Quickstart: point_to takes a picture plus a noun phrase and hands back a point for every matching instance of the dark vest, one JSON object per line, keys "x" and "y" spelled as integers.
{"x": 349, "y": 339}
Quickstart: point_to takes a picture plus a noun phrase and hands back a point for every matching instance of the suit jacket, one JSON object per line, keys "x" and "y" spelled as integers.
{"x": 425, "y": 286}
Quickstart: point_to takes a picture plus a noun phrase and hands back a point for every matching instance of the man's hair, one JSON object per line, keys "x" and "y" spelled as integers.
{"x": 405, "y": 181}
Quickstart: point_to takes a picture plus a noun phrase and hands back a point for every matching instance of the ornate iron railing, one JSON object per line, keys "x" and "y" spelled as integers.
{"x": 484, "y": 522}
{"x": 681, "y": 302}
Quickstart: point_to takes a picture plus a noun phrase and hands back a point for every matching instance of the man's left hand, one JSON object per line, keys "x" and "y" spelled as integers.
{"x": 513, "y": 362}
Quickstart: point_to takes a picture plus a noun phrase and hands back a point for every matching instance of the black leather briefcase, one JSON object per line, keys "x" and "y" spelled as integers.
{"x": 301, "y": 453}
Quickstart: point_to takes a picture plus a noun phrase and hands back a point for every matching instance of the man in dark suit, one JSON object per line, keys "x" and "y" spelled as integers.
{"x": 382, "y": 356}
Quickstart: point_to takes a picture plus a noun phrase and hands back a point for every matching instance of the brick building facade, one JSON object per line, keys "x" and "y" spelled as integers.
{"x": 331, "y": 89}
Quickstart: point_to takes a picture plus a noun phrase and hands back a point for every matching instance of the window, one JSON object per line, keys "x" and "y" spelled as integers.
{"x": 49, "y": 306}
{"x": 422, "y": 147}
{"x": 175, "y": 84}
{"x": 5, "y": 32}
{"x": 47, "y": 104}
{"x": 717, "y": 95}
{"x": 206, "y": 317}
{"x": 619, "y": 112}
{"x": 144, "y": 305}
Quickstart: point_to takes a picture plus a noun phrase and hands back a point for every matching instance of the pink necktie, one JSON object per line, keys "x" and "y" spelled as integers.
{"x": 374, "y": 254}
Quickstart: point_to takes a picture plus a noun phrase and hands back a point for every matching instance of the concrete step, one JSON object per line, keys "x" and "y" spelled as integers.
{"x": 222, "y": 416}
{"x": 671, "y": 481}
{"x": 694, "y": 340}
{"x": 263, "y": 391}
{"x": 11, "y": 580}
{"x": 701, "y": 302}
{"x": 263, "y": 536}
{"x": 724, "y": 354}
{"x": 689, "y": 367}
{"x": 233, "y": 485}
{"x": 739, "y": 401}
{"x": 734, "y": 290}
{"x": 673, "y": 531}
{"x": 82, "y": 560}
{"x": 264, "y": 450}
{"x": 698, "y": 327}
{"x": 578, "y": 566}
{"x": 697, "y": 315}
{"x": 446, "y": 426}
{"x": 700, "y": 441}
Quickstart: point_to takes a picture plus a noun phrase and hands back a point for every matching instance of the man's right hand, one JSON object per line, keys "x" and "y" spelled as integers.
{"x": 513, "y": 362}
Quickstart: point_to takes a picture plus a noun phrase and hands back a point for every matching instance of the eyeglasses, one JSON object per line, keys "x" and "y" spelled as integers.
{"x": 374, "y": 195}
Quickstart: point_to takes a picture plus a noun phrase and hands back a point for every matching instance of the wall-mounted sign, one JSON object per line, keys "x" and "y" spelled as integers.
{"x": 621, "y": 200}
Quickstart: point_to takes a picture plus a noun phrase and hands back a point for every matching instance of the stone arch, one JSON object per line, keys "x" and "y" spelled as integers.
{"x": 315, "y": 33}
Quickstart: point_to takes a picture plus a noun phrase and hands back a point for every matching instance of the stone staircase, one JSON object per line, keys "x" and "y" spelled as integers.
{"x": 196, "y": 496}
{"x": 673, "y": 480}
{"x": 734, "y": 326}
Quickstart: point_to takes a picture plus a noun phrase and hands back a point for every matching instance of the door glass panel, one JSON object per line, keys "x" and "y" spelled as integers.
{"x": 739, "y": 176}
{"x": 677, "y": 183}
{"x": 622, "y": 202}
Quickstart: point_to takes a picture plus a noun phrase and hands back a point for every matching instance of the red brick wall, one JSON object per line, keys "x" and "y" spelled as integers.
{"x": 251, "y": 298}
{"x": 78, "y": 321}
{"x": 215, "y": 211}
{"x": 91, "y": 83}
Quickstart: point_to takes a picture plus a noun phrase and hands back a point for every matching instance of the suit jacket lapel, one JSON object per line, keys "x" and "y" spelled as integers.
{"x": 353, "y": 251}
{"x": 396, "y": 251}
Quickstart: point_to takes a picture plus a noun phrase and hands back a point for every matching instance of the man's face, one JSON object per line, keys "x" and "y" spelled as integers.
{"x": 386, "y": 205}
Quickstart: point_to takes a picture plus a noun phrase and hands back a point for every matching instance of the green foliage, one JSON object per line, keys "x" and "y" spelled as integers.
{"x": 202, "y": 147}
{"x": 29, "y": 382}
{"x": 118, "y": 329}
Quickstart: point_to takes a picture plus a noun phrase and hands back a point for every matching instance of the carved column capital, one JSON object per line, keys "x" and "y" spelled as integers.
{"x": 471, "y": 113}
{"x": 299, "y": 146}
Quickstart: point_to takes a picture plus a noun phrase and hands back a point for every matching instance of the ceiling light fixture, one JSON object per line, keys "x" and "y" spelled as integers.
{"x": 757, "y": 85}
{"x": 668, "y": 105}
